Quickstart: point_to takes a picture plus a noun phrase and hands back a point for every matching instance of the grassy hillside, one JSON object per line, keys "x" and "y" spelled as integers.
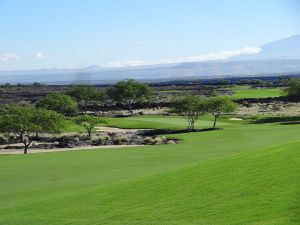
{"x": 244, "y": 174}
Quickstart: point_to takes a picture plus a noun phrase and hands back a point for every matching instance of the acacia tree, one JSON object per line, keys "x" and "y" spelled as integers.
{"x": 190, "y": 107}
{"x": 25, "y": 122}
{"x": 218, "y": 106}
{"x": 85, "y": 95}
{"x": 88, "y": 122}
{"x": 129, "y": 92}
{"x": 58, "y": 102}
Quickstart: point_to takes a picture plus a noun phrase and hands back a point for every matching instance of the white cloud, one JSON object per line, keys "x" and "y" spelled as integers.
{"x": 8, "y": 57}
{"x": 205, "y": 57}
{"x": 39, "y": 56}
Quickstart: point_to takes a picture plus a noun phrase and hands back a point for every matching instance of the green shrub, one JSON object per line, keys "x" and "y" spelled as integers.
{"x": 60, "y": 103}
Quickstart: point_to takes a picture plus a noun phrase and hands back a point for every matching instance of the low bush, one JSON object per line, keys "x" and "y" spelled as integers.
{"x": 3, "y": 140}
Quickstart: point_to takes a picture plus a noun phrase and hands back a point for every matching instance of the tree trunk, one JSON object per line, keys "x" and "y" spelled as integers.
{"x": 192, "y": 125}
{"x": 89, "y": 133}
{"x": 189, "y": 126}
{"x": 215, "y": 122}
{"x": 129, "y": 109}
{"x": 25, "y": 148}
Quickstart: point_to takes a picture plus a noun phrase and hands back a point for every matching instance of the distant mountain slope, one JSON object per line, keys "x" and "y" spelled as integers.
{"x": 282, "y": 56}
{"x": 211, "y": 69}
{"x": 287, "y": 48}
{"x": 250, "y": 67}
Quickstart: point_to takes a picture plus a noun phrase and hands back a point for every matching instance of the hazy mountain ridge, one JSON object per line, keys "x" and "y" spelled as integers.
{"x": 287, "y": 48}
{"x": 282, "y": 56}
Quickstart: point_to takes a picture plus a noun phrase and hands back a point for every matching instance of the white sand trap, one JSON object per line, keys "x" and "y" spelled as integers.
{"x": 236, "y": 119}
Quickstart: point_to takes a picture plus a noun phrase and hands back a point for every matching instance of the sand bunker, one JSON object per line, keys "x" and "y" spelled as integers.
{"x": 236, "y": 119}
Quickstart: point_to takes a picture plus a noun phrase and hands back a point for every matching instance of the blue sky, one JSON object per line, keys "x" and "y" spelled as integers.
{"x": 79, "y": 33}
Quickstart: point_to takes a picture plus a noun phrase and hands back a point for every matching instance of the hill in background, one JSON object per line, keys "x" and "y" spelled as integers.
{"x": 275, "y": 58}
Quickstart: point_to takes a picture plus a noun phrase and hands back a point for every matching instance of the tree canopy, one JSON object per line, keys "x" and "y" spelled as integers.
{"x": 218, "y": 106}
{"x": 293, "y": 90}
{"x": 190, "y": 107}
{"x": 85, "y": 95}
{"x": 58, "y": 102}
{"x": 88, "y": 122}
{"x": 25, "y": 122}
{"x": 129, "y": 92}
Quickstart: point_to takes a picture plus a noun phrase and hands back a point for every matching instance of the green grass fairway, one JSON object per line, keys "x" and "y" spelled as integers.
{"x": 248, "y": 92}
{"x": 159, "y": 122}
{"x": 244, "y": 174}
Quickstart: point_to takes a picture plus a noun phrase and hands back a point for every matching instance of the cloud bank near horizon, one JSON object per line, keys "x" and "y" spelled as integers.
{"x": 8, "y": 57}
{"x": 221, "y": 55}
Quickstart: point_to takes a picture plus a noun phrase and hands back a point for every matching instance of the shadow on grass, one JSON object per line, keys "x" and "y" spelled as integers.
{"x": 290, "y": 123}
{"x": 168, "y": 131}
{"x": 284, "y": 120}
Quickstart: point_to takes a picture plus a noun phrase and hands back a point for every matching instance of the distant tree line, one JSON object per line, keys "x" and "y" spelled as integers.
{"x": 125, "y": 93}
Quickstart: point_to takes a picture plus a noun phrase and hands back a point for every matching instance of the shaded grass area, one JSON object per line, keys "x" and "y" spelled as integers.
{"x": 278, "y": 119}
{"x": 244, "y": 174}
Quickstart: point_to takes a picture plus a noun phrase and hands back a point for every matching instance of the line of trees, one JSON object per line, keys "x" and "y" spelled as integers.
{"x": 125, "y": 93}
{"x": 192, "y": 107}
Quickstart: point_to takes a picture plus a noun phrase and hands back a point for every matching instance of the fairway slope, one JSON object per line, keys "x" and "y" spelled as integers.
{"x": 258, "y": 187}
